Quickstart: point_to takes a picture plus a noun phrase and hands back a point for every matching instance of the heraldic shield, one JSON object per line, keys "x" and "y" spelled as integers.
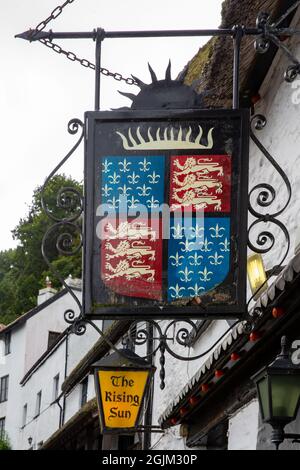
{"x": 167, "y": 214}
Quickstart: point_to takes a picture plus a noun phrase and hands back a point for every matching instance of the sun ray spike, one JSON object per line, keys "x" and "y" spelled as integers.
{"x": 168, "y": 72}
{"x": 131, "y": 96}
{"x": 139, "y": 82}
{"x": 152, "y": 73}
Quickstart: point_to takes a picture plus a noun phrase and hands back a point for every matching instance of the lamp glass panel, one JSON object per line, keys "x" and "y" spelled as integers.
{"x": 122, "y": 395}
{"x": 256, "y": 275}
{"x": 285, "y": 395}
{"x": 263, "y": 391}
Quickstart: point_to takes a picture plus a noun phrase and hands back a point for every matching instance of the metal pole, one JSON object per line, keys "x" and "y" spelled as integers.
{"x": 31, "y": 35}
{"x": 237, "y": 38}
{"x": 99, "y": 38}
{"x": 149, "y": 409}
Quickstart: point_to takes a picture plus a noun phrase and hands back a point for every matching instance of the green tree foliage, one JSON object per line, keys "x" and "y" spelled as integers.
{"x": 4, "y": 442}
{"x": 23, "y": 269}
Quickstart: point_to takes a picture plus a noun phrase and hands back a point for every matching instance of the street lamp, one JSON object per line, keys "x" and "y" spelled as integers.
{"x": 121, "y": 382}
{"x": 278, "y": 388}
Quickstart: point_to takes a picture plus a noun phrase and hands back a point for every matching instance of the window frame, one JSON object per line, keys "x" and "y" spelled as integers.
{"x": 38, "y": 404}
{"x": 52, "y": 338}
{"x": 84, "y": 385}
{"x": 2, "y": 427}
{"x": 4, "y": 389}
{"x": 24, "y": 415}
{"x": 55, "y": 391}
{"x": 7, "y": 343}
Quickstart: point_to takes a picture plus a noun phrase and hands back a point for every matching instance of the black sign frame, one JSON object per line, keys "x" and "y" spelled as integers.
{"x": 93, "y": 308}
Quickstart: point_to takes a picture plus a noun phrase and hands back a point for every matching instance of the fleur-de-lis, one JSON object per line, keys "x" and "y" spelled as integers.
{"x": 185, "y": 276}
{"x": 216, "y": 259}
{"x": 106, "y": 190}
{"x": 132, "y": 203}
{"x": 178, "y": 232}
{"x": 114, "y": 202}
{"x": 176, "y": 292}
{"x": 197, "y": 231}
{"x": 124, "y": 190}
{"x": 205, "y": 275}
{"x": 154, "y": 178}
{"x": 196, "y": 290}
{"x": 187, "y": 246}
{"x": 225, "y": 245}
{"x": 124, "y": 166}
{"x": 144, "y": 165}
{"x": 195, "y": 259}
{"x": 177, "y": 260}
{"x": 114, "y": 179}
{"x": 144, "y": 190}
{"x": 217, "y": 230}
{"x": 105, "y": 166}
{"x": 133, "y": 179}
{"x": 152, "y": 203}
{"x": 204, "y": 246}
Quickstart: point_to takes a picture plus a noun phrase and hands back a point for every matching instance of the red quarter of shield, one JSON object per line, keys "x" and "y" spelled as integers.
{"x": 131, "y": 258}
{"x": 200, "y": 182}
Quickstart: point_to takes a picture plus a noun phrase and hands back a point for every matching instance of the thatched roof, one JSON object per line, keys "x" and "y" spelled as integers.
{"x": 212, "y": 65}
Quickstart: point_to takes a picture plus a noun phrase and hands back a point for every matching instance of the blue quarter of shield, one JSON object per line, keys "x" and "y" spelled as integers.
{"x": 133, "y": 183}
{"x": 198, "y": 255}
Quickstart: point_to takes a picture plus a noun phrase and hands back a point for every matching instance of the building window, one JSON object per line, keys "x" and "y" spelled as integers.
{"x": 38, "y": 403}
{"x": 7, "y": 340}
{"x": 24, "y": 417}
{"x": 55, "y": 387}
{"x": 52, "y": 338}
{"x": 84, "y": 391}
{"x": 2, "y": 428}
{"x": 3, "y": 388}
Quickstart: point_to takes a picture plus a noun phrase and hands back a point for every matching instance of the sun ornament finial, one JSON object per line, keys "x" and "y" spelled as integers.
{"x": 164, "y": 94}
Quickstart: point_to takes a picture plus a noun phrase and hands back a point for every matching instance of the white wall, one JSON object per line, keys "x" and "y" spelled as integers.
{"x": 39, "y": 325}
{"x": 178, "y": 373}
{"x": 13, "y": 365}
{"x": 280, "y": 103}
{"x": 243, "y": 428}
{"x": 28, "y": 342}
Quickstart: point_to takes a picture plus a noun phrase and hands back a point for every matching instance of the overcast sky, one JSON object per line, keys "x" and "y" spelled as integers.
{"x": 40, "y": 91}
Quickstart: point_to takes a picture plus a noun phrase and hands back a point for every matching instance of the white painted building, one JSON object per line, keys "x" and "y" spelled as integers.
{"x": 37, "y": 353}
{"x": 279, "y": 101}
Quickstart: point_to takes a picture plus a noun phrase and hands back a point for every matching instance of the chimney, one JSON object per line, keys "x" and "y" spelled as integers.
{"x": 73, "y": 282}
{"x": 46, "y": 293}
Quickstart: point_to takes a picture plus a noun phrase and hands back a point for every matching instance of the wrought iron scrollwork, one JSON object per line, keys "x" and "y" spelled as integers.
{"x": 271, "y": 33}
{"x": 166, "y": 341}
{"x": 65, "y": 231}
{"x": 266, "y": 197}
{"x": 67, "y": 235}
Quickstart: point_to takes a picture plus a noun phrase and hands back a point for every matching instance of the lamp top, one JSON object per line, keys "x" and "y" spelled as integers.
{"x": 282, "y": 364}
{"x": 122, "y": 358}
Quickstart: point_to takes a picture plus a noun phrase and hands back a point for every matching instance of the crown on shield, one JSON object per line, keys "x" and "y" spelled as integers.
{"x": 171, "y": 139}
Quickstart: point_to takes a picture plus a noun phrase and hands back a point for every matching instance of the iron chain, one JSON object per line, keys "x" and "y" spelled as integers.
{"x": 54, "y": 14}
{"x": 71, "y": 55}
{"x": 86, "y": 63}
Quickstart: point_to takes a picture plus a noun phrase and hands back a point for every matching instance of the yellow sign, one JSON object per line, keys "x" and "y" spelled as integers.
{"x": 121, "y": 395}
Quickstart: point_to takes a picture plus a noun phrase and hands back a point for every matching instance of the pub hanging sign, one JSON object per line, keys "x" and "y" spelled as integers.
{"x": 166, "y": 214}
